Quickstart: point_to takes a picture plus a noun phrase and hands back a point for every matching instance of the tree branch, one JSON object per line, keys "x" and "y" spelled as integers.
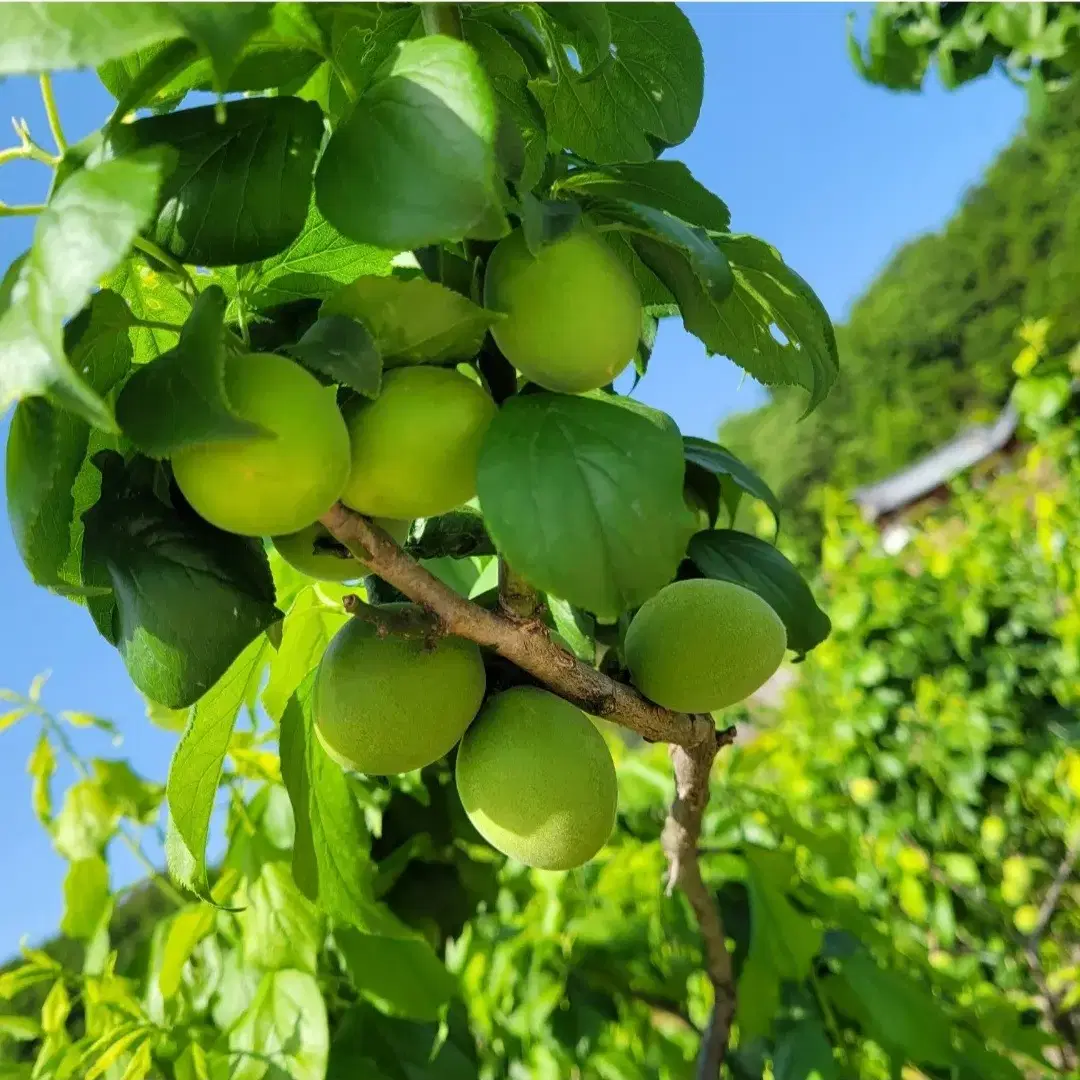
{"x": 526, "y": 643}
{"x": 1053, "y": 894}
{"x": 527, "y": 646}
{"x": 680, "y": 841}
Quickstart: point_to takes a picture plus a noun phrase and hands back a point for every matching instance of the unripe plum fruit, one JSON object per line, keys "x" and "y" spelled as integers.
{"x": 573, "y": 312}
{"x": 390, "y": 704}
{"x": 701, "y": 645}
{"x": 315, "y": 552}
{"x": 263, "y": 485}
{"x": 415, "y": 447}
{"x": 537, "y": 780}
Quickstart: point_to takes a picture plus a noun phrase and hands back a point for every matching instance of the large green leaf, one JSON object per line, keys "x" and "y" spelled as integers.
{"x": 186, "y": 597}
{"x": 240, "y": 188}
{"x": 195, "y": 770}
{"x": 84, "y": 232}
{"x": 584, "y": 498}
{"x": 414, "y": 162}
{"x": 399, "y": 976}
{"x": 783, "y": 941}
{"x": 315, "y": 264}
{"x": 283, "y": 1032}
{"x": 730, "y": 555}
{"x": 221, "y": 31}
{"x": 585, "y": 28}
{"x": 664, "y": 185}
{"x": 331, "y": 863}
{"x": 772, "y": 324}
{"x": 179, "y": 400}
{"x": 152, "y": 296}
{"x": 650, "y": 89}
{"x": 53, "y": 36}
{"x": 280, "y": 927}
{"x": 414, "y": 321}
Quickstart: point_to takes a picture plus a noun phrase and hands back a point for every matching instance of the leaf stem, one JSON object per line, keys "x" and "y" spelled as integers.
{"x": 148, "y": 247}
{"x": 52, "y": 113}
{"x": 26, "y": 210}
{"x": 154, "y": 324}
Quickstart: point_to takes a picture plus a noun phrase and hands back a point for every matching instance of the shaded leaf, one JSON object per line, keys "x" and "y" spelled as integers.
{"x": 803, "y": 1053}
{"x": 342, "y": 350}
{"x": 280, "y": 927}
{"x": 722, "y": 462}
{"x": 86, "y": 897}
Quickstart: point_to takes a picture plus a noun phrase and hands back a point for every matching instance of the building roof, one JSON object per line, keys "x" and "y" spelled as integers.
{"x": 938, "y": 467}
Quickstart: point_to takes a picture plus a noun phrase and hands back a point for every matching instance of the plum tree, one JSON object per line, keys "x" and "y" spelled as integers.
{"x": 274, "y": 483}
{"x": 701, "y": 645}
{"x": 390, "y": 701}
{"x": 573, "y": 311}
{"x": 537, "y": 779}
{"x": 415, "y": 447}
{"x": 315, "y": 552}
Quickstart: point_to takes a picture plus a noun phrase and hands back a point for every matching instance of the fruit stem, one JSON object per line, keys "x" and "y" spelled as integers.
{"x": 410, "y": 622}
{"x": 517, "y": 598}
{"x": 52, "y": 113}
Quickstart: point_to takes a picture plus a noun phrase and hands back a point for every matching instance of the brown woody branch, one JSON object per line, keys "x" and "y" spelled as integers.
{"x": 515, "y": 633}
{"x": 680, "y": 841}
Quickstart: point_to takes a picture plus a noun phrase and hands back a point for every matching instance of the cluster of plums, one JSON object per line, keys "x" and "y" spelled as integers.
{"x": 534, "y": 773}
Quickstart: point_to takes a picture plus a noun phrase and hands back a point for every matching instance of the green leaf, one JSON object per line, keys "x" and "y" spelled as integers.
{"x": 133, "y": 796}
{"x": 783, "y": 942}
{"x": 399, "y": 976}
{"x": 308, "y": 626}
{"x": 584, "y": 498}
{"x": 139, "y": 79}
{"x": 84, "y": 232}
{"x": 41, "y": 766}
{"x": 314, "y": 265}
{"x": 803, "y": 1053}
{"x": 772, "y": 324}
{"x": 729, "y": 555}
{"x": 240, "y": 189}
{"x": 55, "y": 36}
{"x": 330, "y": 855}
{"x": 586, "y": 28}
{"x": 722, "y": 462}
{"x": 663, "y": 185}
{"x": 895, "y": 1011}
{"x": 414, "y": 321}
{"x": 283, "y": 1032}
{"x": 47, "y": 447}
{"x": 179, "y": 400}
{"x": 221, "y": 31}
{"x": 414, "y": 162}
{"x": 543, "y": 221}
{"x": 86, "y": 897}
{"x": 650, "y": 90}
{"x": 153, "y": 296}
{"x": 342, "y": 350}
{"x": 576, "y": 628}
{"x": 86, "y": 822}
{"x": 519, "y": 113}
{"x": 195, "y": 769}
{"x": 187, "y": 598}
{"x": 19, "y": 1028}
{"x": 185, "y": 930}
{"x": 280, "y": 928}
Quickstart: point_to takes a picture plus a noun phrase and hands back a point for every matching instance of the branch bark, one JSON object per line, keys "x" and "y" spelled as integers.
{"x": 526, "y": 645}
{"x": 680, "y": 841}
{"x": 521, "y": 638}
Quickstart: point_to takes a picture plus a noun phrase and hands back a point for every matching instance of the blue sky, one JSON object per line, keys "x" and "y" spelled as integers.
{"x": 836, "y": 174}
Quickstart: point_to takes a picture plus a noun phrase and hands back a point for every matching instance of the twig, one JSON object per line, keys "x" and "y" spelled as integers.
{"x": 1053, "y": 894}
{"x": 680, "y": 840}
{"x": 402, "y": 622}
{"x": 27, "y": 210}
{"x": 51, "y": 112}
{"x": 532, "y": 651}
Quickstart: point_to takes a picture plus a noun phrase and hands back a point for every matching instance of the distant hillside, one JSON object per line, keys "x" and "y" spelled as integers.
{"x": 930, "y": 344}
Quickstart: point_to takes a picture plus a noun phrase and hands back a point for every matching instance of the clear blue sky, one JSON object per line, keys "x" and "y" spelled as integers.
{"x": 835, "y": 173}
